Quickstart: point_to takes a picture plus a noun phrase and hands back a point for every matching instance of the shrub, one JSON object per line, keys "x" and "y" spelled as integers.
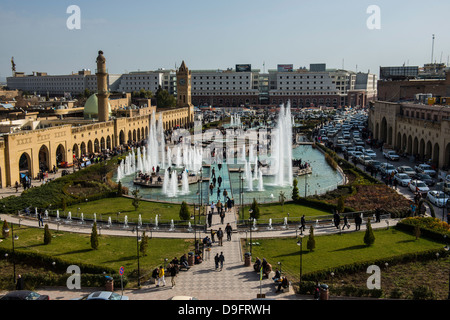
{"x": 184, "y": 211}
{"x": 369, "y": 237}
{"x": 94, "y": 237}
{"x": 255, "y": 209}
{"x": 5, "y": 229}
{"x": 423, "y": 293}
{"x": 311, "y": 244}
{"x": 47, "y": 235}
{"x": 295, "y": 195}
{"x": 144, "y": 244}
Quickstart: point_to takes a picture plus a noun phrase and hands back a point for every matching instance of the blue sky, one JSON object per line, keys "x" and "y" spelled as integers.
{"x": 146, "y": 35}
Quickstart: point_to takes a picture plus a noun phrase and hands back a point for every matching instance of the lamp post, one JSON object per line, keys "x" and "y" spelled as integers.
{"x": 250, "y": 220}
{"x": 138, "y": 239}
{"x": 300, "y": 243}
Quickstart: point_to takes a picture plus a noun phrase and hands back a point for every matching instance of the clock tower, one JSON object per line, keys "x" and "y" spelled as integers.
{"x": 184, "y": 92}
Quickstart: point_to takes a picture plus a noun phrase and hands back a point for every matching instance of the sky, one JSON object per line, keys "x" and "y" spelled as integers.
{"x": 215, "y": 34}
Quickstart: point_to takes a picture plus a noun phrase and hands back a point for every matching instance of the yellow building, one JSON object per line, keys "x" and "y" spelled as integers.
{"x": 62, "y": 141}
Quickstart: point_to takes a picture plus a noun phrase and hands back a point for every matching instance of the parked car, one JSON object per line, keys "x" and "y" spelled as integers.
{"x": 24, "y": 295}
{"x": 370, "y": 153}
{"x": 425, "y": 178}
{"x": 391, "y": 155}
{"x": 438, "y": 198}
{"x": 425, "y": 168}
{"x": 403, "y": 179}
{"x": 103, "y": 295}
{"x": 447, "y": 187}
{"x": 408, "y": 170}
{"x": 363, "y": 159}
{"x": 387, "y": 168}
{"x": 418, "y": 186}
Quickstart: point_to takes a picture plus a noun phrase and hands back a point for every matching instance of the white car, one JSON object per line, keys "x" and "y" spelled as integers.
{"x": 403, "y": 179}
{"x": 425, "y": 168}
{"x": 387, "y": 168}
{"x": 364, "y": 159}
{"x": 370, "y": 153}
{"x": 438, "y": 198}
{"x": 418, "y": 186}
{"x": 408, "y": 170}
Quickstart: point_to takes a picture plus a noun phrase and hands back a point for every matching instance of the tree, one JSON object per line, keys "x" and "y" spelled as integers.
{"x": 254, "y": 210}
{"x": 341, "y": 204}
{"x": 164, "y": 99}
{"x": 5, "y": 229}
{"x": 184, "y": 211}
{"x": 369, "y": 237}
{"x": 63, "y": 204}
{"x": 47, "y": 235}
{"x": 295, "y": 195}
{"x": 94, "y": 237}
{"x": 119, "y": 189}
{"x": 417, "y": 231}
{"x": 144, "y": 244}
{"x": 136, "y": 198}
{"x": 311, "y": 244}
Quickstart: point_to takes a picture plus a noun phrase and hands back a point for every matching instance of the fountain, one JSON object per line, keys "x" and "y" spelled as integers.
{"x": 185, "y": 183}
{"x": 35, "y": 212}
{"x": 139, "y": 221}
{"x": 285, "y": 224}
{"x": 125, "y": 222}
{"x": 189, "y": 227}
{"x": 46, "y": 215}
{"x": 156, "y": 223}
{"x": 248, "y": 176}
{"x": 109, "y": 222}
{"x": 282, "y": 153}
{"x": 57, "y": 215}
{"x": 270, "y": 225}
{"x": 95, "y": 217}
{"x": 69, "y": 217}
{"x": 172, "y": 226}
{"x": 317, "y": 223}
{"x": 81, "y": 219}
{"x": 254, "y": 225}
{"x": 260, "y": 181}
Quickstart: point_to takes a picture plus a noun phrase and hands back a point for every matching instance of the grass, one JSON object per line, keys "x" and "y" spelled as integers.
{"x": 109, "y": 207}
{"x": 113, "y": 251}
{"x": 337, "y": 250}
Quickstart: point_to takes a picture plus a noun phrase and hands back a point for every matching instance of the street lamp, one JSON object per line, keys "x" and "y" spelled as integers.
{"x": 300, "y": 243}
{"x": 138, "y": 239}
{"x": 250, "y": 219}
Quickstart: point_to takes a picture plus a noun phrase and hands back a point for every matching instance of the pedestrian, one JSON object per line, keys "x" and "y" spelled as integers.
{"x": 220, "y": 236}
{"x": 16, "y": 186}
{"x": 211, "y": 188}
{"x": 225, "y": 195}
{"x": 303, "y": 223}
{"x": 219, "y": 207}
{"x": 228, "y": 230}
{"x": 346, "y": 224}
{"x": 337, "y": 219}
{"x": 358, "y": 221}
{"x": 219, "y": 181}
{"x": 377, "y": 214}
{"x": 219, "y": 165}
{"x": 214, "y": 181}
{"x": 216, "y": 261}
{"x": 212, "y": 207}
{"x": 221, "y": 259}
{"x": 213, "y": 232}
{"x": 173, "y": 273}
{"x": 210, "y": 218}
{"x": 218, "y": 193}
{"x": 19, "y": 283}
{"x": 161, "y": 277}
{"x": 213, "y": 175}
{"x": 222, "y": 216}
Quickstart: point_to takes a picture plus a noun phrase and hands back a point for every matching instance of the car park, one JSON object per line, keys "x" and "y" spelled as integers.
{"x": 425, "y": 178}
{"x": 370, "y": 153}
{"x": 103, "y": 295}
{"x": 438, "y": 198}
{"x": 425, "y": 168}
{"x": 418, "y": 186}
{"x": 408, "y": 170}
{"x": 387, "y": 168}
{"x": 403, "y": 179}
{"x": 24, "y": 295}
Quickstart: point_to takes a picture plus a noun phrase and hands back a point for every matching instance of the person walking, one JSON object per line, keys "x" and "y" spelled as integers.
{"x": 218, "y": 193}
{"x": 222, "y": 216}
{"x": 221, "y": 259}
{"x": 216, "y": 261}
{"x": 220, "y": 236}
{"x": 212, "y": 235}
{"x": 161, "y": 277}
{"x": 303, "y": 223}
{"x": 173, "y": 273}
{"x": 212, "y": 207}
{"x": 346, "y": 224}
{"x": 219, "y": 181}
{"x": 358, "y": 221}
{"x": 228, "y": 230}
{"x": 210, "y": 219}
{"x": 225, "y": 195}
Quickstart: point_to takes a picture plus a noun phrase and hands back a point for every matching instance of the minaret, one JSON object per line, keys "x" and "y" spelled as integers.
{"x": 102, "y": 88}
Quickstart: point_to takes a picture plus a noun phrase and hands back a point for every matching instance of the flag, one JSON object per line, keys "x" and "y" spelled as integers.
{"x": 261, "y": 274}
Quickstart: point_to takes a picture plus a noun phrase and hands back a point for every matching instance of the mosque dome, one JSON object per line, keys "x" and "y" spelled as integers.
{"x": 91, "y": 107}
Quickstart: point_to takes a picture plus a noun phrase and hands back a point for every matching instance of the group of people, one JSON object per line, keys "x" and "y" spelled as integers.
{"x": 159, "y": 274}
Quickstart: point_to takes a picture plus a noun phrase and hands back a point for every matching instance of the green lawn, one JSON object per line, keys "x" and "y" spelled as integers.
{"x": 296, "y": 211}
{"x": 337, "y": 250}
{"x": 110, "y": 207}
{"x": 113, "y": 252}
